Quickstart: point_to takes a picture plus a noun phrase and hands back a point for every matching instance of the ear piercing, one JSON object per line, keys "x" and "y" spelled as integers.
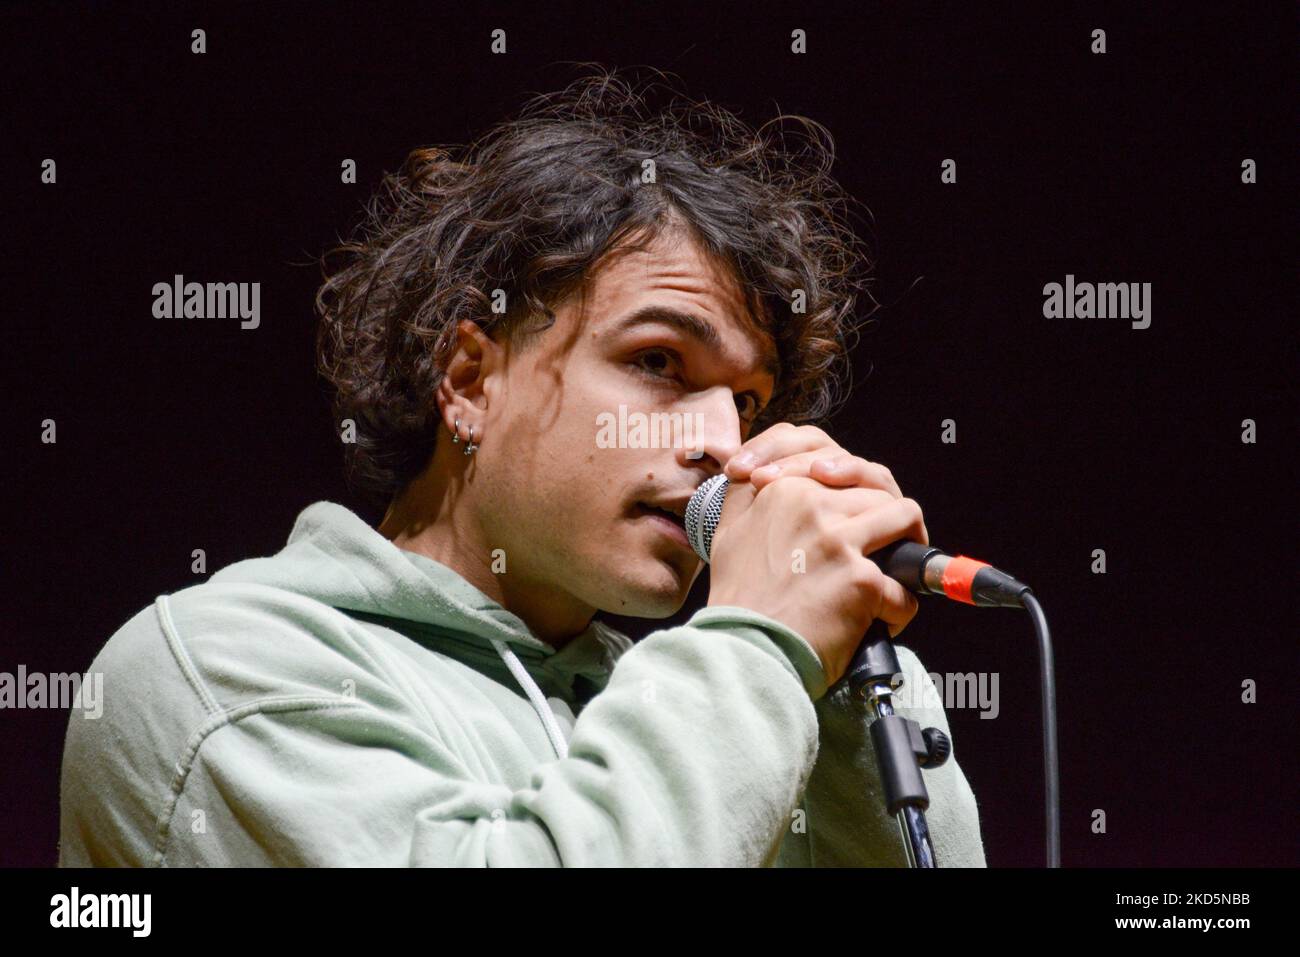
{"x": 455, "y": 438}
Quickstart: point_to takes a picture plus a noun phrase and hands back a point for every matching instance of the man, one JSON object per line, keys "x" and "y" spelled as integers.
{"x": 439, "y": 691}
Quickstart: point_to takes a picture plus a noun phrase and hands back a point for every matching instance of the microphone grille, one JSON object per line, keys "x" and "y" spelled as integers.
{"x": 703, "y": 512}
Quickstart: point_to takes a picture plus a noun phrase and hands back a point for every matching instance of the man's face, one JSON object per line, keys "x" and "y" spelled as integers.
{"x": 573, "y": 513}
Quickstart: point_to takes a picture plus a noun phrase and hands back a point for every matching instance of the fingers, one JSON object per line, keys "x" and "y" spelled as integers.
{"x": 838, "y": 502}
{"x": 872, "y": 530}
{"x": 869, "y": 531}
{"x": 737, "y": 501}
{"x": 778, "y": 442}
{"x": 826, "y": 466}
{"x": 898, "y": 606}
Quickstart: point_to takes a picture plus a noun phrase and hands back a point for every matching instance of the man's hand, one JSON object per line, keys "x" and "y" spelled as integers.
{"x": 787, "y": 450}
{"x": 796, "y": 552}
{"x": 790, "y": 451}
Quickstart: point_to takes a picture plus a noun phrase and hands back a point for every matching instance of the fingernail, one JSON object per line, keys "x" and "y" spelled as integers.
{"x": 829, "y": 465}
{"x": 767, "y": 471}
{"x": 745, "y": 460}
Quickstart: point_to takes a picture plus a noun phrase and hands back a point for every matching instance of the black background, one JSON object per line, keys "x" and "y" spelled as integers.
{"x": 1073, "y": 434}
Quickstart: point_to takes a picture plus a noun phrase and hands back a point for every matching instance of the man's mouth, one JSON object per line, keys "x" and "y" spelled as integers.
{"x": 669, "y": 517}
{"x": 673, "y": 517}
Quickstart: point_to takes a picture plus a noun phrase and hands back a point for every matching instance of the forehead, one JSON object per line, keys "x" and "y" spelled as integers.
{"x": 674, "y": 282}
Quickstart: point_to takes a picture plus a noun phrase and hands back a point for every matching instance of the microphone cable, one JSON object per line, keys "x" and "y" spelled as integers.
{"x": 1051, "y": 767}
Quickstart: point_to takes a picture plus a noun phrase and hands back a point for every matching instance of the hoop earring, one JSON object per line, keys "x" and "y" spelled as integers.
{"x": 469, "y": 449}
{"x": 455, "y": 433}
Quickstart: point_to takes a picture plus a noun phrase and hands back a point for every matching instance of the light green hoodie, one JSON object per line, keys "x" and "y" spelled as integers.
{"x": 347, "y": 702}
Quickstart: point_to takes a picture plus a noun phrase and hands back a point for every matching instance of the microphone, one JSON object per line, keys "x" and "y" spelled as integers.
{"x": 922, "y": 569}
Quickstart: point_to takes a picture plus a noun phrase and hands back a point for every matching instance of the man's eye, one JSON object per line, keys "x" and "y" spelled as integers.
{"x": 656, "y": 362}
{"x": 748, "y": 406}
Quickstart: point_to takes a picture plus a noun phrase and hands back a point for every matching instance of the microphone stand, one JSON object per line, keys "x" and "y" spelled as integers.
{"x": 902, "y": 748}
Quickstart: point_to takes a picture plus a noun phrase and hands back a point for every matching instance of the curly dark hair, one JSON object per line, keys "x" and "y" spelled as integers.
{"x": 532, "y": 205}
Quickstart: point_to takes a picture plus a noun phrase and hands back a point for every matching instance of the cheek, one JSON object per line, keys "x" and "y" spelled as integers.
{"x": 554, "y": 470}
{"x": 551, "y": 473}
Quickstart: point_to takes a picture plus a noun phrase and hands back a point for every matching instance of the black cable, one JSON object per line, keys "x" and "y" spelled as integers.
{"x": 1050, "y": 766}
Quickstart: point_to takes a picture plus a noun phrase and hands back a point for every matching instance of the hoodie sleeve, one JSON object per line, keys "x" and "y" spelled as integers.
{"x": 842, "y": 821}
{"x": 694, "y": 754}
{"x": 226, "y": 741}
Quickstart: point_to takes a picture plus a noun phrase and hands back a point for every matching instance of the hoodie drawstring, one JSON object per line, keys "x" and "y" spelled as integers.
{"x": 535, "y": 696}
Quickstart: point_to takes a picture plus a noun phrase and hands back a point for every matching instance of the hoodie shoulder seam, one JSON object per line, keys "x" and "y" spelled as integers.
{"x": 172, "y": 636}
{"x": 217, "y": 721}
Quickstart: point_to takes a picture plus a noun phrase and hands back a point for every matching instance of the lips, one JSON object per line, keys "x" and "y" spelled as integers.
{"x": 671, "y": 523}
{"x": 666, "y": 513}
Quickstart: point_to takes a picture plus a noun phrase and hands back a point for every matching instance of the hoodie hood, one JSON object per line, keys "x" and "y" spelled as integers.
{"x": 334, "y": 557}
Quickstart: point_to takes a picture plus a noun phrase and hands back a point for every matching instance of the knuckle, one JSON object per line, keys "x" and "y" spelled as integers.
{"x": 785, "y": 491}
{"x": 882, "y": 475}
{"x": 911, "y": 507}
{"x": 911, "y": 604}
{"x": 862, "y": 500}
{"x": 866, "y": 575}
{"x": 829, "y": 547}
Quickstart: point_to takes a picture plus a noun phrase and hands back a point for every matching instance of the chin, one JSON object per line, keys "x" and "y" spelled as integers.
{"x": 655, "y": 589}
{"x": 642, "y": 574}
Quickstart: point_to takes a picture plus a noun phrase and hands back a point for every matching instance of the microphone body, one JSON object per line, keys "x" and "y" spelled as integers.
{"x": 923, "y": 569}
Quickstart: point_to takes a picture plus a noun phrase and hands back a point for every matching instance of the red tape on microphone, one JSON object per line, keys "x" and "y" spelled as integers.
{"x": 958, "y": 577}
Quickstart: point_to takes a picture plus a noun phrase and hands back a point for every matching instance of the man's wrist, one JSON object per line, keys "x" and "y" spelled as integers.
{"x": 802, "y": 657}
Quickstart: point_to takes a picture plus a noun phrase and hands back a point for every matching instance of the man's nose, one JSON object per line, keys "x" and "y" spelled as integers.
{"x": 714, "y": 433}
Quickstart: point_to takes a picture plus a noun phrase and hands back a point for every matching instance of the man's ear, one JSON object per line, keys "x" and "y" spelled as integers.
{"x": 471, "y": 376}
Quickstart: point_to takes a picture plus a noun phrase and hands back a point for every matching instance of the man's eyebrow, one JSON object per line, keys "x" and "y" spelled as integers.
{"x": 701, "y": 330}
